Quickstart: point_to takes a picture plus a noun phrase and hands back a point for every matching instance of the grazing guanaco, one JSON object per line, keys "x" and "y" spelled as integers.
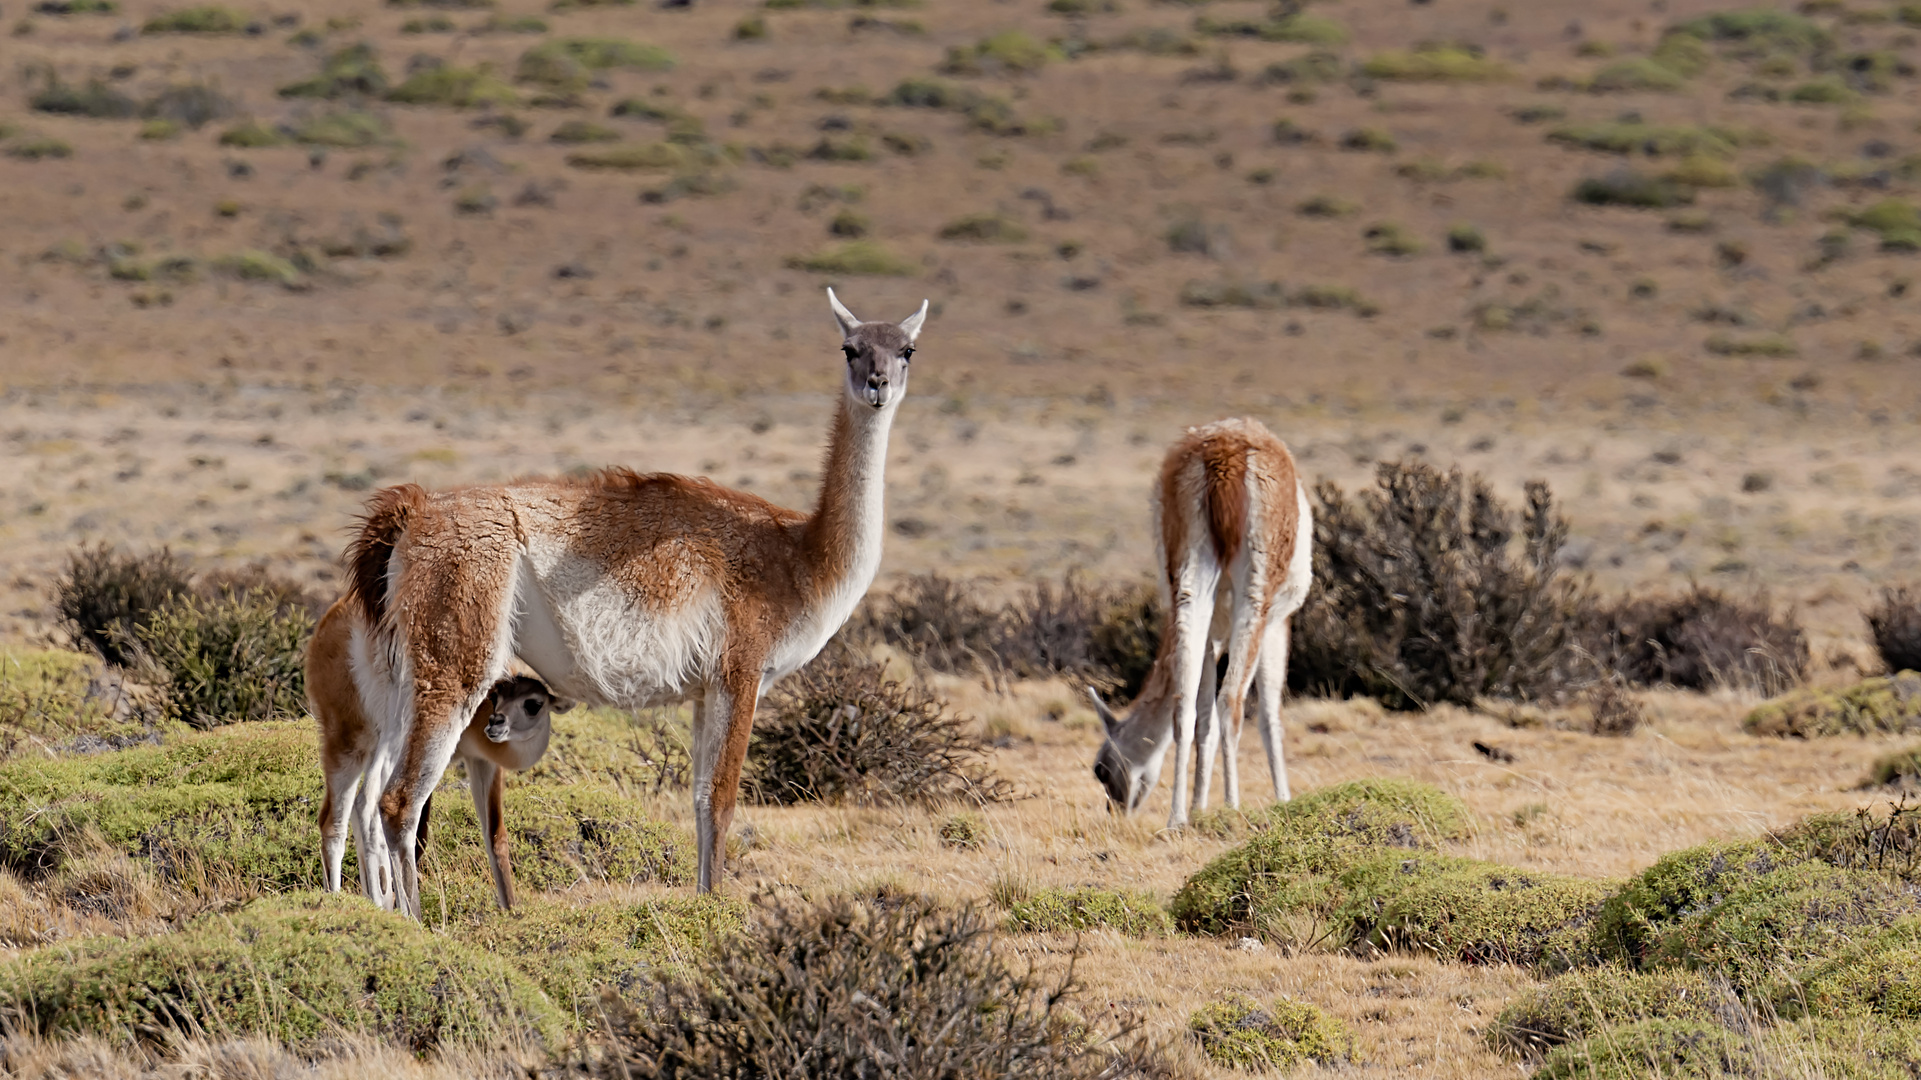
{"x": 1233, "y": 534}
{"x": 508, "y": 733}
{"x": 622, "y": 588}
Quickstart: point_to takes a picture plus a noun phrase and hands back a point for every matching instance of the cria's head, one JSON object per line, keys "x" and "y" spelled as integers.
{"x": 877, "y": 354}
{"x": 521, "y": 709}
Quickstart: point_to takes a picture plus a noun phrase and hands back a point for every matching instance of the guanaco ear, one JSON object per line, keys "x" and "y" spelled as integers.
{"x": 1108, "y": 719}
{"x": 848, "y": 324}
{"x": 911, "y": 324}
{"x": 560, "y": 704}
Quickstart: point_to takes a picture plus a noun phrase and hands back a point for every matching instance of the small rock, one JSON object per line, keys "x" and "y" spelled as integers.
{"x": 1249, "y": 944}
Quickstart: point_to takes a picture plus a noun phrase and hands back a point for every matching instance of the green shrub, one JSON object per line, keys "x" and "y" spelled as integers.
{"x": 227, "y": 659}
{"x": 432, "y": 24}
{"x": 965, "y": 831}
{"x": 576, "y": 950}
{"x": 991, "y": 228}
{"x": 252, "y": 135}
{"x": 95, "y": 99}
{"x": 1465, "y": 239}
{"x": 1368, "y": 140}
{"x": 853, "y": 148}
{"x": 1874, "y": 706}
{"x": 207, "y": 19}
{"x": 456, "y": 87}
{"x": 1827, "y": 90}
{"x": 39, "y": 148}
{"x": 583, "y": 131}
{"x": 159, "y": 129}
{"x": 1703, "y": 171}
{"x": 854, "y": 257}
{"x": 76, "y": 7}
{"x": 1435, "y": 63}
{"x": 354, "y": 70}
{"x": 104, "y": 595}
{"x": 1639, "y": 74}
{"x": 1632, "y": 923}
{"x": 896, "y": 987}
{"x": 1896, "y": 221}
{"x": 1770, "y": 29}
{"x": 1584, "y": 1002}
{"x": 1655, "y": 140}
{"x": 302, "y": 969}
{"x": 634, "y": 156}
{"x": 512, "y": 24}
{"x": 1482, "y": 913}
{"x": 565, "y": 63}
{"x": 1875, "y": 975}
{"x": 1626, "y": 187}
{"x": 1667, "y": 1048}
{"x": 1245, "y": 1034}
{"x": 193, "y": 105}
{"x": 1768, "y": 346}
{"x": 256, "y": 265}
{"x": 1389, "y": 238}
{"x": 1066, "y": 911}
{"x": 1292, "y": 865}
{"x": 1299, "y": 27}
{"x": 56, "y": 700}
{"x": 1008, "y": 51}
{"x": 350, "y": 129}
{"x": 1233, "y": 293}
{"x": 1781, "y": 920}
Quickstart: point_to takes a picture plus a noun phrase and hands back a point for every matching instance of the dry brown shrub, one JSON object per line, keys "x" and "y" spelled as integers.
{"x": 840, "y": 731}
{"x": 1895, "y": 623}
{"x": 1699, "y": 640}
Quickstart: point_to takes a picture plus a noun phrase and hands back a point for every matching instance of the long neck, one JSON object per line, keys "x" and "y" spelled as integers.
{"x": 843, "y": 538}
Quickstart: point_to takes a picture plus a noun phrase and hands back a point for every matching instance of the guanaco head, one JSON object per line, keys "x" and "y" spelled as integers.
{"x": 520, "y": 709}
{"x": 877, "y": 354}
{"x": 1129, "y": 764}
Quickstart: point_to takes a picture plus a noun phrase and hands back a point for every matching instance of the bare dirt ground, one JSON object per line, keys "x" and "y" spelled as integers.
{"x": 239, "y": 420}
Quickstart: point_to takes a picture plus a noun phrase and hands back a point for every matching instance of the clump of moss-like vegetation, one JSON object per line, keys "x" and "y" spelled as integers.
{"x": 567, "y": 64}
{"x": 95, "y": 98}
{"x": 1060, "y": 911}
{"x": 629, "y": 157}
{"x": 1672, "y": 1047}
{"x": 1488, "y": 914}
{"x": 992, "y": 228}
{"x": 252, "y": 135}
{"x": 1654, "y": 140}
{"x": 1902, "y": 769}
{"x": 1292, "y": 26}
{"x": 1583, "y": 1002}
{"x": 343, "y": 129}
{"x": 1896, "y": 221}
{"x": 301, "y": 969}
{"x": 854, "y": 257}
{"x": 55, "y": 700}
{"x": 1245, "y": 1034}
{"x": 1288, "y": 880}
{"x": 1888, "y": 704}
{"x": 583, "y": 131}
{"x": 577, "y": 950}
{"x": 1877, "y": 975}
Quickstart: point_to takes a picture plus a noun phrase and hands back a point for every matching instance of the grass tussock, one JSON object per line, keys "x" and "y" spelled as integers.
{"x": 349, "y": 72}
{"x": 1576, "y": 1004}
{"x": 839, "y": 731}
{"x": 1435, "y": 63}
{"x": 865, "y": 257}
{"x": 1070, "y": 911}
{"x": 205, "y": 19}
{"x": 894, "y": 986}
{"x": 455, "y": 87}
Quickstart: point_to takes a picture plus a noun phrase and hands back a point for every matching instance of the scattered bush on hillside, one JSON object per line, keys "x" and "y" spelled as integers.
{"x": 105, "y": 596}
{"x": 193, "y": 105}
{"x": 1626, "y": 187}
{"x": 1673, "y": 1047}
{"x": 1901, "y": 769}
{"x": 95, "y": 99}
{"x": 854, "y": 257}
{"x": 1428, "y": 590}
{"x": 840, "y": 731}
{"x": 900, "y": 986}
{"x": 208, "y": 19}
{"x": 1699, "y": 640}
{"x": 1435, "y": 63}
{"x": 354, "y": 70}
{"x": 1895, "y": 624}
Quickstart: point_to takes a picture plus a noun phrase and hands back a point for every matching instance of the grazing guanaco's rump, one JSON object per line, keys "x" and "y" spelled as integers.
{"x": 622, "y": 589}
{"x": 508, "y": 733}
{"x": 1234, "y": 538}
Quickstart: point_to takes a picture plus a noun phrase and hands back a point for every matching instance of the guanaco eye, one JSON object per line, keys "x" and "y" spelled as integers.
{"x": 532, "y": 707}
{"x": 850, "y": 351}
{"x": 907, "y": 354}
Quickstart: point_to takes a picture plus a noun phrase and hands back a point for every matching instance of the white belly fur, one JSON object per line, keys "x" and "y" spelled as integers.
{"x": 589, "y": 640}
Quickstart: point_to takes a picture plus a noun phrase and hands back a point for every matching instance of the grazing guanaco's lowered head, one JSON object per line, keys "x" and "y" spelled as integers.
{"x": 1129, "y": 764}
{"x": 877, "y": 354}
{"x": 520, "y": 708}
